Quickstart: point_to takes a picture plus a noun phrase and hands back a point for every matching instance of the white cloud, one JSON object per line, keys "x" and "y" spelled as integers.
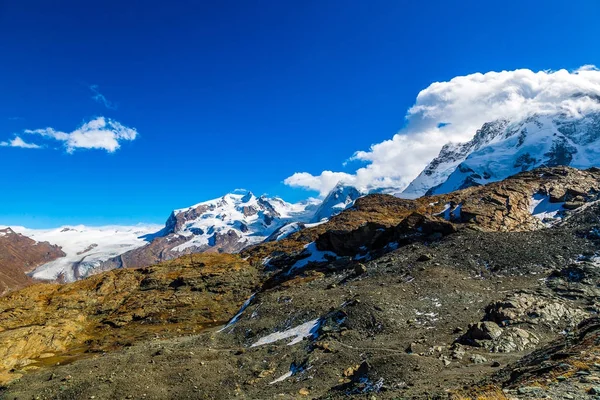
{"x": 18, "y": 142}
{"x": 99, "y": 133}
{"x": 100, "y": 98}
{"x": 322, "y": 183}
{"x": 452, "y": 112}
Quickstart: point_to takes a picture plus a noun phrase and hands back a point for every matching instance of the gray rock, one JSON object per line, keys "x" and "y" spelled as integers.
{"x": 478, "y": 359}
{"x": 534, "y": 390}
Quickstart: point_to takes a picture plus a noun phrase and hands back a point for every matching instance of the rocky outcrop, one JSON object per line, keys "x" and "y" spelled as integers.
{"x": 491, "y": 337}
{"x": 566, "y": 368}
{"x": 506, "y": 325}
{"x": 374, "y": 236}
{"x": 534, "y": 308}
{"x": 20, "y": 255}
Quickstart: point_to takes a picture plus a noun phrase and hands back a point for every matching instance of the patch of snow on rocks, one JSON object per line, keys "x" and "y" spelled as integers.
{"x": 315, "y": 255}
{"x": 239, "y": 313}
{"x": 307, "y": 329}
{"x": 541, "y": 208}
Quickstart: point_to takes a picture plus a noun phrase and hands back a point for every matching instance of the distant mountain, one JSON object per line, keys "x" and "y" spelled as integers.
{"x": 83, "y": 248}
{"x": 503, "y": 148}
{"x": 223, "y": 225}
{"x": 20, "y": 255}
{"x": 230, "y": 223}
{"x": 233, "y": 221}
{"x": 338, "y": 199}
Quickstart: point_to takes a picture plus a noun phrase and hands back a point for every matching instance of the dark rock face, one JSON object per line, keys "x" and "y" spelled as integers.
{"x": 175, "y": 222}
{"x": 345, "y": 243}
{"x": 373, "y": 236}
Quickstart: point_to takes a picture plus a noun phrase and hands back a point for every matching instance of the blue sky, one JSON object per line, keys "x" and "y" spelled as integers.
{"x": 235, "y": 94}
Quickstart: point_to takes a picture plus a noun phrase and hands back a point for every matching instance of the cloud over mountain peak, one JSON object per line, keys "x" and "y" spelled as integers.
{"x": 452, "y": 111}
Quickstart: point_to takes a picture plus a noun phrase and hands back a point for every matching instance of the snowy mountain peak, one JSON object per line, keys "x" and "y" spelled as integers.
{"x": 233, "y": 221}
{"x": 339, "y": 198}
{"x": 503, "y": 148}
{"x": 451, "y": 155}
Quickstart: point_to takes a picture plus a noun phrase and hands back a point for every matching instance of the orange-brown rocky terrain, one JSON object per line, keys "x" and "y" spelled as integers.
{"x": 53, "y": 321}
{"x": 20, "y": 255}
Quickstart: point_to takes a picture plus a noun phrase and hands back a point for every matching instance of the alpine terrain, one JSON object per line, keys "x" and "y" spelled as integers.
{"x": 490, "y": 291}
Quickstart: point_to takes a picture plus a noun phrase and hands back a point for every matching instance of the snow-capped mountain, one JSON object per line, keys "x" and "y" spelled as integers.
{"x": 233, "y": 221}
{"x": 240, "y": 219}
{"x": 503, "y": 148}
{"x": 338, "y": 199}
{"x": 85, "y": 247}
{"x": 226, "y": 224}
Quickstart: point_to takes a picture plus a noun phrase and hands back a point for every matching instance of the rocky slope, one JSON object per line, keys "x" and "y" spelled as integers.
{"x": 20, "y": 255}
{"x": 527, "y": 201}
{"x": 52, "y": 323}
{"x": 392, "y": 298}
{"x": 503, "y": 148}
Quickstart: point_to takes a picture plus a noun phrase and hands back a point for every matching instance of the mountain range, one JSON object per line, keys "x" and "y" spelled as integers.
{"x": 237, "y": 220}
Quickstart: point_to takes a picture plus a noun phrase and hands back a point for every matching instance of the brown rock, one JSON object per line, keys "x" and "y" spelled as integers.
{"x": 360, "y": 269}
{"x": 19, "y": 255}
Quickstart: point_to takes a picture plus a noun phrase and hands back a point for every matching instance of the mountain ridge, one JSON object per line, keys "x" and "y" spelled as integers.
{"x": 502, "y": 148}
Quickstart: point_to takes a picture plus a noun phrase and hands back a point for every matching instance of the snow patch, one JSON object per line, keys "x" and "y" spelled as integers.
{"x": 282, "y": 377}
{"x": 307, "y": 329}
{"x": 315, "y": 255}
{"x": 541, "y": 208}
{"x": 239, "y": 313}
{"x": 294, "y": 369}
{"x": 450, "y": 213}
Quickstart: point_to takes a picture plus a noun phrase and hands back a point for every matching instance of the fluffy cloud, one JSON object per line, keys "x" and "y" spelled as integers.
{"x": 100, "y": 133}
{"x": 100, "y": 98}
{"x": 18, "y": 142}
{"x": 322, "y": 183}
{"x": 452, "y": 112}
